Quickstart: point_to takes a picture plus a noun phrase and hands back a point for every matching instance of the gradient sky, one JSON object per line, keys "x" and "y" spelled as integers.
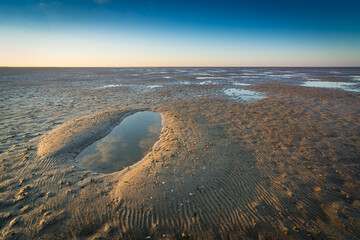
{"x": 97, "y": 33}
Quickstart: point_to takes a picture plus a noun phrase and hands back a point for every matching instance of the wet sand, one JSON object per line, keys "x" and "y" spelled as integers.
{"x": 282, "y": 167}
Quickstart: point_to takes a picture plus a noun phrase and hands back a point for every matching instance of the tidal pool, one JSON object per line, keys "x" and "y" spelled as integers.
{"x": 127, "y": 143}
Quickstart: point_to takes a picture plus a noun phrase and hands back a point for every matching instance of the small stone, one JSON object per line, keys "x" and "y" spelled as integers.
{"x": 349, "y": 199}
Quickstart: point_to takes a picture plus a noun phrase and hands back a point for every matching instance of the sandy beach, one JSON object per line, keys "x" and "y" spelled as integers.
{"x": 284, "y": 165}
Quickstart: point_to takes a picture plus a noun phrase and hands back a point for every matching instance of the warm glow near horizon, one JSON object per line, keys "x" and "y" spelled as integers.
{"x": 46, "y": 37}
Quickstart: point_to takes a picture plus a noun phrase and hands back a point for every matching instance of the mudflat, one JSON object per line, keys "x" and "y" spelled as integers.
{"x": 243, "y": 153}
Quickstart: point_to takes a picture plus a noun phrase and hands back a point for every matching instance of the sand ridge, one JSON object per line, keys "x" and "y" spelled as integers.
{"x": 72, "y": 137}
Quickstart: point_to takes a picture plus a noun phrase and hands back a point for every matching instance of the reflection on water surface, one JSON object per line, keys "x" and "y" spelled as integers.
{"x": 335, "y": 85}
{"x": 242, "y": 94}
{"x": 128, "y": 143}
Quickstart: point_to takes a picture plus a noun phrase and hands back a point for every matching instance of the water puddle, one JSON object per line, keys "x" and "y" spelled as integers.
{"x": 208, "y": 82}
{"x": 242, "y": 94}
{"x": 356, "y": 78}
{"x": 154, "y": 86}
{"x": 333, "y": 85}
{"x": 109, "y": 86}
{"x": 185, "y": 82}
{"x": 128, "y": 143}
{"x": 241, "y": 84}
{"x": 210, "y": 77}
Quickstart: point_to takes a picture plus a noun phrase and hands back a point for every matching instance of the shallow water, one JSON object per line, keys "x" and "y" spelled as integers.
{"x": 125, "y": 145}
{"x": 242, "y": 94}
{"x": 347, "y": 86}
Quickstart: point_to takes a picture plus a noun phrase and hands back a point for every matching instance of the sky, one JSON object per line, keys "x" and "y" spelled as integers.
{"x": 137, "y": 33}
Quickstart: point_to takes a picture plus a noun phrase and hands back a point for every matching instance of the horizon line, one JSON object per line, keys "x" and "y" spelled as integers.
{"x": 283, "y": 66}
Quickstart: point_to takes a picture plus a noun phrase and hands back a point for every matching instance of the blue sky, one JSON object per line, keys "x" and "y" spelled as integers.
{"x": 179, "y": 33}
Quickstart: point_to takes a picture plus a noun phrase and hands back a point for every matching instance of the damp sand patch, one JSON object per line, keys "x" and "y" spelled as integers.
{"x": 127, "y": 144}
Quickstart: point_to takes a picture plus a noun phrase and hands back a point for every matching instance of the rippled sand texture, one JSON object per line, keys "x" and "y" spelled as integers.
{"x": 284, "y": 166}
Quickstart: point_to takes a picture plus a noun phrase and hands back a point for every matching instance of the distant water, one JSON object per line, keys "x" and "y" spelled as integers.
{"x": 35, "y": 100}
